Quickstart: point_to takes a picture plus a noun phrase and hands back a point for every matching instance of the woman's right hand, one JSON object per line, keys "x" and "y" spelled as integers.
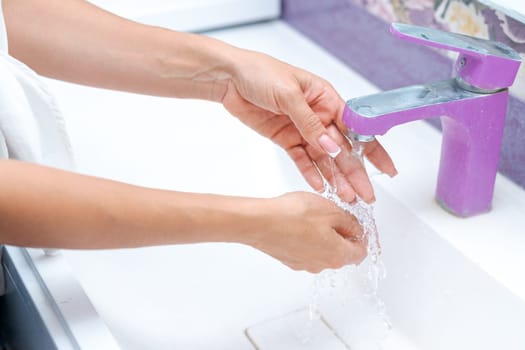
{"x": 308, "y": 232}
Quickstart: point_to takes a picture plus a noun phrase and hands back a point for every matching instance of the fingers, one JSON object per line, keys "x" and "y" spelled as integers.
{"x": 332, "y": 174}
{"x": 293, "y": 103}
{"x": 378, "y": 156}
{"x": 349, "y": 175}
{"x": 343, "y": 188}
{"x": 352, "y": 245}
{"x": 348, "y": 226}
{"x": 356, "y": 252}
{"x": 317, "y": 234}
{"x": 307, "y": 167}
{"x": 352, "y": 168}
{"x": 345, "y": 252}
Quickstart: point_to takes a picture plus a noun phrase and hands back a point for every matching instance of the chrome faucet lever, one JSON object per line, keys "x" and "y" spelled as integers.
{"x": 483, "y": 64}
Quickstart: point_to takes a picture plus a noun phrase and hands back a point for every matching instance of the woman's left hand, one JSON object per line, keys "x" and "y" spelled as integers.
{"x": 302, "y": 113}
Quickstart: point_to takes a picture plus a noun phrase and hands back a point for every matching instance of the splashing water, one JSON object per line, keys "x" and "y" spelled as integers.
{"x": 348, "y": 297}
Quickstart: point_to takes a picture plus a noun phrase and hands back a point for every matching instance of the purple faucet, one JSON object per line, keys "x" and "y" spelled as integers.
{"x": 472, "y": 107}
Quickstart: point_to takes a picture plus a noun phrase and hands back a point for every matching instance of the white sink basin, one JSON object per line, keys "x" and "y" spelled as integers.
{"x": 439, "y": 293}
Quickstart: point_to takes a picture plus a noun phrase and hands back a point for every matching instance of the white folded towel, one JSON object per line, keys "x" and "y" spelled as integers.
{"x": 31, "y": 124}
{"x": 30, "y": 120}
{"x": 3, "y": 146}
{"x": 32, "y": 128}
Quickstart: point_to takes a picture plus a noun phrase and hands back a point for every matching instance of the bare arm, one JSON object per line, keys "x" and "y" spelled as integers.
{"x": 45, "y": 207}
{"x": 76, "y": 41}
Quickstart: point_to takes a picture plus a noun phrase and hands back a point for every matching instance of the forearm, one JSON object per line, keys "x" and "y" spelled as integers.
{"x": 75, "y": 41}
{"x": 44, "y": 207}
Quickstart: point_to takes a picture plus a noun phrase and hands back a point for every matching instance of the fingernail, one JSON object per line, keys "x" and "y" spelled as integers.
{"x": 394, "y": 173}
{"x": 370, "y": 200}
{"x": 329, "y": 145}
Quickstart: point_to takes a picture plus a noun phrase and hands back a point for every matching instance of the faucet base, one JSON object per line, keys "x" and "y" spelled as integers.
{"x": 462, "y": 214}
{"x": 470, "y": 154}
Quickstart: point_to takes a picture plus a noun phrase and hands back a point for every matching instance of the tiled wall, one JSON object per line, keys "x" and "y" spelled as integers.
{"x": 357, "y": 31}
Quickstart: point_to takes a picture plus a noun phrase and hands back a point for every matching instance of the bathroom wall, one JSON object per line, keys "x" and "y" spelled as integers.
{"x": 357, "y": 32}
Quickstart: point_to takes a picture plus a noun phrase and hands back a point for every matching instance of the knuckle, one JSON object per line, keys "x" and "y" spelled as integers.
{"x": 286, "y": 95}
{"x": 310, "y": 122}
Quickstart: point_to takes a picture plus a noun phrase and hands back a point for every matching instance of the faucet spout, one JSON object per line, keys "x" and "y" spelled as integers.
{"x": 472, "y": 125}
{"x": 376, "y": 114}
{"x": 472, "y": 108}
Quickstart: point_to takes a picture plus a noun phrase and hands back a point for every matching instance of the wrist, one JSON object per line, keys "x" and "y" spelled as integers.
{"x": 217, "y": 218}
{"x": 245, "y": 220}
{"x": 254, "y": 220}
{"x": 198, "y": 66}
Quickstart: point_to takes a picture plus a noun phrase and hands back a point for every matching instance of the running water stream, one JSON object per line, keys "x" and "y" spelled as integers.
{"x": 347, "y": 299}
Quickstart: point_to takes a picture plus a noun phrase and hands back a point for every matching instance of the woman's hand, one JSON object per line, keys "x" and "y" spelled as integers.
{"x": 302, "y": 113}
{"x": 308, "y": 232}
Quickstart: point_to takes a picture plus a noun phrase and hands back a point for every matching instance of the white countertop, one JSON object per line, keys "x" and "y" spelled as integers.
{"x": 193, "y": 15}
{"x": 204, "y": 296}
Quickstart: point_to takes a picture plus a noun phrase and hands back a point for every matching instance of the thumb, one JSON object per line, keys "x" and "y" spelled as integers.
{"x": 308, "y": 123}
